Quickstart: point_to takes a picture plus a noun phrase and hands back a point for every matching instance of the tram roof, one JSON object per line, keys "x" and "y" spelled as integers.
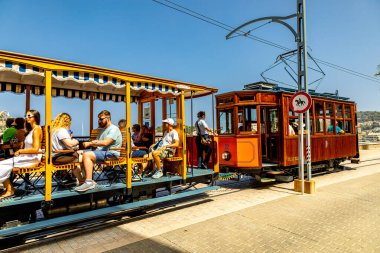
{"x": 78, "y": 80}
{"x": 274, "y": 88}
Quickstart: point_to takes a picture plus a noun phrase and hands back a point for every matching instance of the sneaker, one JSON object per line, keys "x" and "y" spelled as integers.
{"x": 157, "y": 174}
{"x": 136, "y": 177}
{"x": 85, "y": 186}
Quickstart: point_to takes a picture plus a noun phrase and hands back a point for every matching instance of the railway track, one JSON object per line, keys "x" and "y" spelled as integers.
{"x": 18, "y": 243}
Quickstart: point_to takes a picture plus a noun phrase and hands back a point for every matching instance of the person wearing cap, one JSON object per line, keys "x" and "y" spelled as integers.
{"x": 167, "y": 147}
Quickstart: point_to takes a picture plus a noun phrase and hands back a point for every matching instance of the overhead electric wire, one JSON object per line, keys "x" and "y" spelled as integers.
{"x": 221, "y": 25}
{"x": 247, "y": 34}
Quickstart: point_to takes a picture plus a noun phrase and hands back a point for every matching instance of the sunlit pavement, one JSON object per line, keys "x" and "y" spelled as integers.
{"x": 343, "y": 216}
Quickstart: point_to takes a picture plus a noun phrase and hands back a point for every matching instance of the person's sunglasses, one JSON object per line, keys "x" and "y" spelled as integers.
{"x": 101, "y": 119}
{"x": 29, "y": 116}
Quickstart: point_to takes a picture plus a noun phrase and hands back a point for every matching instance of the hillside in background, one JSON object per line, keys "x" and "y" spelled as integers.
{"x": 368, "y": 116}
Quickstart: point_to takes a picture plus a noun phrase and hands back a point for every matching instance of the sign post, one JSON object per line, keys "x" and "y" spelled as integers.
{"x": 300, "y": 103}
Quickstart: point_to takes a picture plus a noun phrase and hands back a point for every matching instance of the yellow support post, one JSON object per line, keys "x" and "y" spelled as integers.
{"x": 48, "y": 118}
{"x": 215, "y": 149}
{"x": 183, "y": 133}
{"x": 128, "y": 127}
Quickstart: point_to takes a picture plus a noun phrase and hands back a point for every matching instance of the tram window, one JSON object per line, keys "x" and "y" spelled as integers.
{"x": 291, "y": 113}
{"x": 311, "y": 126}
{"x": 225, "y": 100}
{"x": 241, "y": 121}
{"x": 329, "y": 125}
{"x": 226, "y": 122}
{"x": 348, "y": 126}
{"x": 319, "y": 126}
{"x": 347, "y": 111}
{"x": 329, "y": 110}
{"x": 339, "y": 111}
{"x": 293, "y": 129}
{"x": 319, "y": 108}
{"x": 250, "y": 118}
{"x": 247, "y": 98}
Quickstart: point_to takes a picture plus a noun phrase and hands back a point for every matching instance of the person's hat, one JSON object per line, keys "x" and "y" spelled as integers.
{"x": 170, "y": 121}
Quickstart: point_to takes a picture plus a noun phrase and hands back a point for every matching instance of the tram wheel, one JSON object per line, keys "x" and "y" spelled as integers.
{"x": 116, "y": 199}
{"x": 256, "y": 181}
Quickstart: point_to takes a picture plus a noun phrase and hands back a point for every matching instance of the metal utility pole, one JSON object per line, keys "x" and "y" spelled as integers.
{"x": 301, "y": 40}
{"x": 302, "y": 83}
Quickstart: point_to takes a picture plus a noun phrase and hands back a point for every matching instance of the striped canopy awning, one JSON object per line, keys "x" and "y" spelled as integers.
{"x": 15, "y": 76}
{"x": 18, "y": 71}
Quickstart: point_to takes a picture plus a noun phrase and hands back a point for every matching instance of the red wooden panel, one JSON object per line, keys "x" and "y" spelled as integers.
{"x": 322, "y": 148}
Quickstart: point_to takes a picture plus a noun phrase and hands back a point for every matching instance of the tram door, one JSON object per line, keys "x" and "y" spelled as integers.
{"x": 270, "y": 133}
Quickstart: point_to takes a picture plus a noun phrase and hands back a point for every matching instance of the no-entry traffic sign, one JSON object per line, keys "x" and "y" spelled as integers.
{"x": 300, "y": 102}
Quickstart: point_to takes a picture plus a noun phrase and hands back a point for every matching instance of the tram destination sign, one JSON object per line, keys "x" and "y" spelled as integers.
{"x": 300, "y": 102}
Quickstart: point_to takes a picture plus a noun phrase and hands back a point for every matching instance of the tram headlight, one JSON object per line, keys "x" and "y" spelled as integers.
{"x": 226, "y": 156}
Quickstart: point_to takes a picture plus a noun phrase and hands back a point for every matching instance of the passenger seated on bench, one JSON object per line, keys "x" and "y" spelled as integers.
{"x": 28, "y": 156}
{"x": 139, "y": 152}
{"x": 61, "y": 140}
{"x": 10, "y": 132}
{"x": 136, "y": 132}
{"x": 145, "y": 139}
{"x": 122, "y": 124}
{"x": 165, "y": 147}
{"x": 109, "y": 137}
{"x": 19, "y": 124}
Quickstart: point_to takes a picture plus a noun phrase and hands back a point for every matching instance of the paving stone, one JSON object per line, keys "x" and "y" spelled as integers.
{"x": 343, "y": 216}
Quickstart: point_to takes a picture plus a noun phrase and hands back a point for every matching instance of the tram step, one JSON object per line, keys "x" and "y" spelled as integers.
{"x": 355, "y": 160}
{"x": 267, "y": 180}
{"x": 274, "y": 172}
{"x": 70, "y": 219}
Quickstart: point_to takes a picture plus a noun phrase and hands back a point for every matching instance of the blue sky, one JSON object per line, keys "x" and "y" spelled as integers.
{"x": 145, "y": 37}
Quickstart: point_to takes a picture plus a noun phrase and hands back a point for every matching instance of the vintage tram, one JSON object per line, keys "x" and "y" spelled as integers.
{"x": 256, "y": 135}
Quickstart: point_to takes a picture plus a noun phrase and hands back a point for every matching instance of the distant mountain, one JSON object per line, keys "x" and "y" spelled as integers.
{"x": 368, "y": 116}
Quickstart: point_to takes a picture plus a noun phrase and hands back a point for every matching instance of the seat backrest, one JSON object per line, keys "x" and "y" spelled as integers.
{"x": 180, "y": 145}
{"x": 43, "y": 141}
{"x": 94, "y": 134}
{"x": 123, "y": 152}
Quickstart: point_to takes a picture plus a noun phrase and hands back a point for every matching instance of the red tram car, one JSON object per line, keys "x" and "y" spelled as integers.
{"x": 256, "y": 137}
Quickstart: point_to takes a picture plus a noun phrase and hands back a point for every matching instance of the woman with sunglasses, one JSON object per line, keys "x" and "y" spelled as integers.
{"x": 28, "y": 156}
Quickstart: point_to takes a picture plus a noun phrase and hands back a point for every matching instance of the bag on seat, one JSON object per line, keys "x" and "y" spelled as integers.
{"x": 65, "y": 158}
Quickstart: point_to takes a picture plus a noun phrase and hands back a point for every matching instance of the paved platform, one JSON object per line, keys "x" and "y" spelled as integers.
{"x": 343, "y": 216}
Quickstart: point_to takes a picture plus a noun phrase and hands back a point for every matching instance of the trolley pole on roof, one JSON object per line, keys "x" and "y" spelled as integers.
{"x": 301, "y": 40}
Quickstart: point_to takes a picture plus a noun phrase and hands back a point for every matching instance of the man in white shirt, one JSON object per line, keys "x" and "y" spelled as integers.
{"x": 168, "y": 146}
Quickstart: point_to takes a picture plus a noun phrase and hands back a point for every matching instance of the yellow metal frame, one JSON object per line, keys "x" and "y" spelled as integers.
{"x": 48, "y": 118}
{"x": 128, "y": 173}
{"x": 49, "y": 65}
{"x": 183, "y": 133}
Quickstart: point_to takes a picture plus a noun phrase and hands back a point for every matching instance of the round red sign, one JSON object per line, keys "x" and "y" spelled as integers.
{"x": 300, "y": 102}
